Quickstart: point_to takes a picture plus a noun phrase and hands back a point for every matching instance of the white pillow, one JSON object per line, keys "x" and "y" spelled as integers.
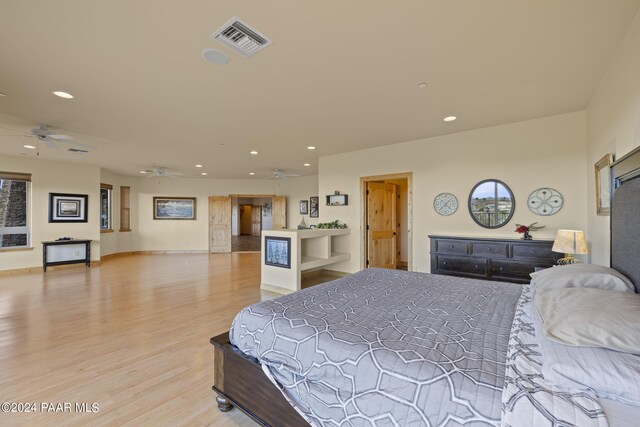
{"x": 610, "y": 374}
{"x": 588, "y": 317}
{"x": 581, "y": 276}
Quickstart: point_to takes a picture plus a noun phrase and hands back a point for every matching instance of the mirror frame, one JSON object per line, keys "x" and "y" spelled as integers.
{"x": 513, "y": 203}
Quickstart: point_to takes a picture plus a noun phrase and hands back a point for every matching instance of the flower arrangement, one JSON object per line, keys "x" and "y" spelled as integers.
{"x": 526, "y": 229}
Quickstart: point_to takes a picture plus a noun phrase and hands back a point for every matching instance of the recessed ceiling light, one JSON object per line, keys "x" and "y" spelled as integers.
{"x": 203, "y": 173}
{"x": 252, "y": 173}
{"x": 307, "y": 164}
{"x": 29, "y": 146}
{"x": 198, "y": 166}
{"x": 3, "y": 94}
{"x": 215, "y": 56}
{"x": 449, "y": 118}
{"x": 254, "y": 152}
{"x": 61, "y": 94}
{"x": 143, "y": 171}
{"x": 311, "y": 147}
{"x": 422, "y": 85}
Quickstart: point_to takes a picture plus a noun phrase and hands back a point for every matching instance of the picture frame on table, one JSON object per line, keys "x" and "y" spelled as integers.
{"x": 65, "y": 207}
{"x": 179, "y": 208}
{"x": 304, "y": 207}
{"x": 603, "y": 184}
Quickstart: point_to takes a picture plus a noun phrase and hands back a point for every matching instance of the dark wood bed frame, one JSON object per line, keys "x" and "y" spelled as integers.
{"x": 239, "y": 380}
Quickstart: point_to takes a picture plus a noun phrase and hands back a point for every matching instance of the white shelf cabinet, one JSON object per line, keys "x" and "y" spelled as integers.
{"x": 310, "y": 249}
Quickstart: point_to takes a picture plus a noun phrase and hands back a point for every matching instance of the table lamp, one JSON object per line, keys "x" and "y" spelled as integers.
{"x": 570, "y": 242}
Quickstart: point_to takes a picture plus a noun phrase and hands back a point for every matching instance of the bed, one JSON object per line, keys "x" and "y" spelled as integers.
{"x": 383, "y": 347}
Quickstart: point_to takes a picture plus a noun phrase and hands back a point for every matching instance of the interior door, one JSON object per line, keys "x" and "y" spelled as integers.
{"x": 256, "y": 220}
{"x": 279, "y": 212}
{"x": 219, "y": 224}
{"x": 382, "y": 237}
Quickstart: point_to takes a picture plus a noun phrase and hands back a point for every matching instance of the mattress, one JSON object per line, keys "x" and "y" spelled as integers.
{"x": 386, "y": 347}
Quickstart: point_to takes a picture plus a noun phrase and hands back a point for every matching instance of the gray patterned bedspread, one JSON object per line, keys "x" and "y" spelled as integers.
{"x": 386, "y": 348}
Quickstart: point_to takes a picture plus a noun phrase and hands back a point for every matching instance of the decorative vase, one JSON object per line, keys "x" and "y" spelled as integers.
{"x": 527, "y": 236}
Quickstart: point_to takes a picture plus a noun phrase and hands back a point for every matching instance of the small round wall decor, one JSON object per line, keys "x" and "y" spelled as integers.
{"x": 445, "y": 204}
{"x": 545, "y": 201}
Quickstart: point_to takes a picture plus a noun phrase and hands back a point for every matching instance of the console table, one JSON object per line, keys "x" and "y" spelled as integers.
{"x": 59, "y": 252}
{"x": 507, "y": 260}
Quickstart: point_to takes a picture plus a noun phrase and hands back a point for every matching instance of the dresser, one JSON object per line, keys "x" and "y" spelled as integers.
{"x": 508, "y": 260}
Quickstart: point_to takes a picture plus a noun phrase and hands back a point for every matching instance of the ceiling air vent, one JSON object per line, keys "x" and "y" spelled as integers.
{"x": 240, "y": 37}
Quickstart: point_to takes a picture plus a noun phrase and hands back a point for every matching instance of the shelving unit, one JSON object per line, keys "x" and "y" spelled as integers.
{"x": 310, "y": 249}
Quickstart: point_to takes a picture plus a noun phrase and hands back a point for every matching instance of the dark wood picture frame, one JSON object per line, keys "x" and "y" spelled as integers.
{"x": 314, "y": 207}
{"x": 66, "y": 207}
{"x": 158, "y": 201}
{"x": 304, "y": 207}
{"x": 274, "y": 243}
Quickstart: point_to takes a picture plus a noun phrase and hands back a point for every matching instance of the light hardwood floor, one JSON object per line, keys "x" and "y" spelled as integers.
{"x": 131, "y": 334}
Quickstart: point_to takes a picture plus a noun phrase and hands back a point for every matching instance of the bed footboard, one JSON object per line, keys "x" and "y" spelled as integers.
{"x": 239, "y": 381}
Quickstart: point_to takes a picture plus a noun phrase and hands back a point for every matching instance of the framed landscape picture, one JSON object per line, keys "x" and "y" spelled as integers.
{"x": 65, "y": 207}
{"x": 603, "y": 184}
{"x": 314, "y": 206}
{"x": 277, "y": 251}
{"x": 174, "y": 208}
{"x": 304, "y": 207}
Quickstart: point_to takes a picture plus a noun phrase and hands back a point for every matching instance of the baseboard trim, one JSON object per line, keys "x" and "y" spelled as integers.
{"x": 28, "y": 270}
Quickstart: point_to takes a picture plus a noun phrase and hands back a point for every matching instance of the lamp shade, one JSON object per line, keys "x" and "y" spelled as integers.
{"x": 570, "y": 242}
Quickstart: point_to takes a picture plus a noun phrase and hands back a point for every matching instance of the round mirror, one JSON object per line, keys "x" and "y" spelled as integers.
{"x": 491, "y": 203}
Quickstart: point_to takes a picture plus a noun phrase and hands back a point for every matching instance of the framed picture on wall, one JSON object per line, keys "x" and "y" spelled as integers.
{"x": 174, "y": 208}
{"x": 277, "y": 252}
{"x": 603, "y": 184}
{"x": 65, "y": 207}
{"x": 304, "y": 207}
{"x": 337, "y": 200}
{"x": 314, "y": 203}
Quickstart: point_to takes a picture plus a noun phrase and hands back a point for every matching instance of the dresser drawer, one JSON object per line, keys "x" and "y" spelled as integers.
{"x": 490, "y": 249}
{"x": 467, "y": 265}
{"x": 457, "y": 247}
{"x": 503, "y": 269}
{"x": 532, "y": 251}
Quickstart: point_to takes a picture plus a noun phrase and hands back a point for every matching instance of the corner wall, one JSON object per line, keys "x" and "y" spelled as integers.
{"x": 613, "y": 120}
{"x": 547, "y": 152}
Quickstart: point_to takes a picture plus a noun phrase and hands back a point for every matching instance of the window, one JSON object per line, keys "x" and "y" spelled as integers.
{"x": 105, "y": 207}
{"x": 14, "y": 210}
{"x": 125, "y": 209}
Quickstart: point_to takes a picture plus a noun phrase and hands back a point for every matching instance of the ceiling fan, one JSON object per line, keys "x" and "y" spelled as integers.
{"x": 43, "y": 134}
{"x": 159, "y": 171}
{"x": 279, "y": 174}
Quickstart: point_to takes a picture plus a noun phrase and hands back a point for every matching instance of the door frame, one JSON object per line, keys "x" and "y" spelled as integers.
{"x": 363, "y": 210}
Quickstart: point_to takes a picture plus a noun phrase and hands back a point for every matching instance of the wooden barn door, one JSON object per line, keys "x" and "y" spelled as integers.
{"x": 219, "y": 224}
{"x": 381, "y": 225}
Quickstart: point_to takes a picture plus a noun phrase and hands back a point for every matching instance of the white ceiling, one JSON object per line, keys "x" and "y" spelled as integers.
{"x": 340, "y": 75}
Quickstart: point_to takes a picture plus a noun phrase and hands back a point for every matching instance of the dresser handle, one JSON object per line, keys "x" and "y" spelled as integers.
{"x": 501, "y": 268}
{"x": 444, "y": 262}
{"x": 531, "y": 252}
{"x": 453, "y": 246}
{"x": 476, "y": 266}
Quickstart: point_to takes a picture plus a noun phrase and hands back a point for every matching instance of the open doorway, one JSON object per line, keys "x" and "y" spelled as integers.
{"x": 387, "y": 218}
{"x": 264, "y": 212}
{"x": 249, "y": 216}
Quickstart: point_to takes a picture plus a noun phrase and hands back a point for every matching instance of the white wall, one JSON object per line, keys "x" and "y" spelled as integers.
{"x": 159, "y": 235}
{"x": 54, "y": 177}
{"x": 547, "y": 152}
{"x": 613, "y": 119}
{"x": 298, "y": 189}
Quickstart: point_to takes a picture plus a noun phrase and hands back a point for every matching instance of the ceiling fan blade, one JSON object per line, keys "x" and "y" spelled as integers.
{"x": 289, "y": 175}
{"x": 50, "y": 144}
{"x": 60, "y": 137}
